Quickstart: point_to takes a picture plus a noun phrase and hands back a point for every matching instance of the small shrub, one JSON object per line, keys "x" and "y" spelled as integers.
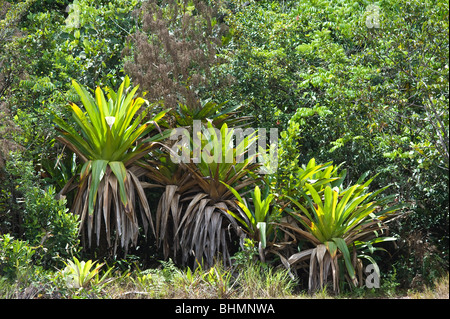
{"x": 15, "y": 257}
{"x": 49, "y": 224}
{"x": 41, "y": 219}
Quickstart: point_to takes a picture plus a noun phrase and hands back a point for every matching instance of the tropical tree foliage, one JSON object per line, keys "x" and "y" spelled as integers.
{"x": 374, "y": 96}
{"x": 174, "y": 51}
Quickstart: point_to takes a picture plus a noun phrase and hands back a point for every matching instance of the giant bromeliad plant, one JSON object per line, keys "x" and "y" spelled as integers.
{"x": 256, "y": 219}
{"x": 224, "y": 161}
{"x": 110, "y": 139}
{"x": 338, "y": 222}
{"x": 192, "y": 223}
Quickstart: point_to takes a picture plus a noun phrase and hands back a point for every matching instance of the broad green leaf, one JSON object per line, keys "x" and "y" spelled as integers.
{"x": 102, "y": 108}
{"x": 121, "y": 174}
{"x": 89, "y": 104}
{"x": 235, "y": 193}
{"x": 332, "y": 248}
{"x": 87, "y": 129}
{"x": 98, "y": 171}
{"x": 261, "y": 226}
{"x": 239, "y": 219}
{"x": 340, "y": 243}
{"x": 266, "y": 206}
{"x": 257, "y": 203}
{"x": 315, "y": 196}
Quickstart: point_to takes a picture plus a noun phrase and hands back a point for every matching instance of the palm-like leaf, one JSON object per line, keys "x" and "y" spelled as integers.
{"x": 109, "y": 140}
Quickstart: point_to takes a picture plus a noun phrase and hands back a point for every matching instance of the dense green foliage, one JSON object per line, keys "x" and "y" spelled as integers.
{"x": 355, "y": 89}
{"x": 374, "y": 97}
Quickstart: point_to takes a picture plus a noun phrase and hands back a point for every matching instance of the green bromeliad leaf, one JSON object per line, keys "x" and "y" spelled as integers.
{"x": 340, "y": 243}
{"x": 118, "y": 168}
{"x": 98, "y": 168}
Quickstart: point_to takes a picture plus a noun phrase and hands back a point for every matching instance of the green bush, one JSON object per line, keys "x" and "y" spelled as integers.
{"x": 49, "y": 224}
{"x": 375, "y": 98}
{"x": 15, "y": 256}
{"x": 44, "y": 221}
